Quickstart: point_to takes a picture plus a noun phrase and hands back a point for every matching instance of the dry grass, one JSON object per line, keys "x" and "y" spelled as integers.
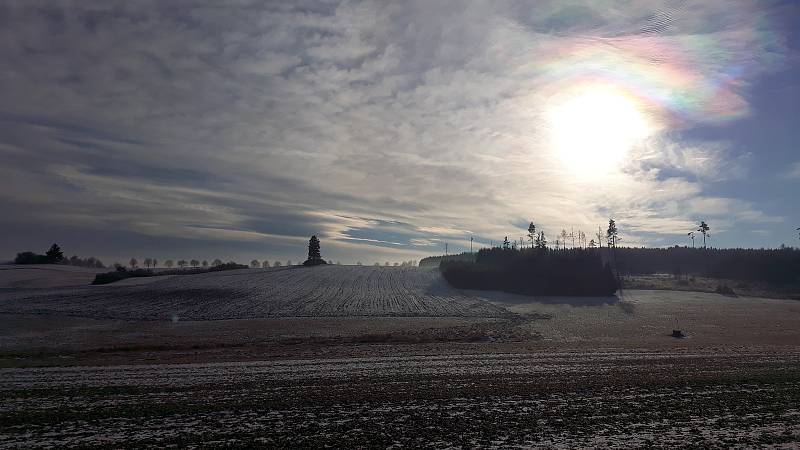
{"x": 705, "y": 284}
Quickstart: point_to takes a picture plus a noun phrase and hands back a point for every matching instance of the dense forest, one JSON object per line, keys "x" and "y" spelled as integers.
{"x": 579, "y": 272}
{"x": 780, "y": 266}
{"x": 776, "y": 266}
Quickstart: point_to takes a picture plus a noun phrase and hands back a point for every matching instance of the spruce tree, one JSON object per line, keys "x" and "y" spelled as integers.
{"x": 54, "y": 255}
{"x": 314, "y": 254}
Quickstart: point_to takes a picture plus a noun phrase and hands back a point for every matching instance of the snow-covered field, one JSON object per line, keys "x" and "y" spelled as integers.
{"x": 386, "y": 357}
{"x": 286, "y": 312}
{"x": 328, "y": 291}
{"x": 564, "y": 400}
{"x": 38, "y": 276}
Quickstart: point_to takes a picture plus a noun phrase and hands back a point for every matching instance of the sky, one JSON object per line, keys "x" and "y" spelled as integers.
{"x": 237, "y": 129}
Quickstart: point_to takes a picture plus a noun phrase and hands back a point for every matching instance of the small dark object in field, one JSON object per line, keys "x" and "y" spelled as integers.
{"x": 678, "y": 334}
{"x": 725, "y": 290}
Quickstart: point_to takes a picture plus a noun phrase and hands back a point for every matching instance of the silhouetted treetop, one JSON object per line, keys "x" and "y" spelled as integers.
{"x": 54, "y": 255}
{"x": 314, "y": 254}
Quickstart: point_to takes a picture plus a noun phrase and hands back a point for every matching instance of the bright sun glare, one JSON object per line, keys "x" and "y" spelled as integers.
{"x": 593, "y": 131}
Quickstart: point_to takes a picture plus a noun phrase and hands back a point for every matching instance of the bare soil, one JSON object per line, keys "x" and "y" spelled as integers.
{"x": 482, "y": 369}
{"x": 563, "y": 400}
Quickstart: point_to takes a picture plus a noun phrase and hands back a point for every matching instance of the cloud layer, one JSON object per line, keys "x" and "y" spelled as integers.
{"x": 387, "y": 128}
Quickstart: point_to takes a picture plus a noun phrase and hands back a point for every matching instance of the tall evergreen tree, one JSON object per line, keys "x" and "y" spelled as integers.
{"x": 532, "y": 233}
{"x": 541, "y": 240}
{"x": 54, "y": 255}
{"x": 313, "y": 248}
{"x": 704, "y": 230}
{"x": 314, "y": 253}
{"x": 612, "y": 234}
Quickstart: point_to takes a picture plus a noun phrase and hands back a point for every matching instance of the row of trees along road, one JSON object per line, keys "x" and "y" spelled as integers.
{"x": 182, "y": 263}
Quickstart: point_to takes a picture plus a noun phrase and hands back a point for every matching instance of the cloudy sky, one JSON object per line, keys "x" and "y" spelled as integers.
{"x": 237, "y": 129}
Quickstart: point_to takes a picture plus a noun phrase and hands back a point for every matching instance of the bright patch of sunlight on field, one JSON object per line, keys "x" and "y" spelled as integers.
{"x": 594, "y": 130}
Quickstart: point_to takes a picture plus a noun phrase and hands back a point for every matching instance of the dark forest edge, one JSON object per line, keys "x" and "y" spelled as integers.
{"x": 122, "y": 273}
{"x": 758, "y": 271}
{"x": 573, "y": 272}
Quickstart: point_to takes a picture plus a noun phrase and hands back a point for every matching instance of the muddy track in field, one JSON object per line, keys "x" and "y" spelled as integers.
{"x": 326, "y": 291}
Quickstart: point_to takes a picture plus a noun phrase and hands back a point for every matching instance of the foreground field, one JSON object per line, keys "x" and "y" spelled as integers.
{"x": 567, "y": 400}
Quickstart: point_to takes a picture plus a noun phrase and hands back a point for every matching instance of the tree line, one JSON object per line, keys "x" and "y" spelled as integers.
{"x": 579, "y": 239}
{"x": 780, "y": 265}
{"x": 54, "y": 255}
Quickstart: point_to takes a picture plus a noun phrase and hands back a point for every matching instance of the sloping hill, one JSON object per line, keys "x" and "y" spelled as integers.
{"x": 323, "y": 291}
{"x": 45, "y": 276}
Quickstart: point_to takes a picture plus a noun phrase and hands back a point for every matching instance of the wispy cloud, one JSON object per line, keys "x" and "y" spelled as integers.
{"x": 380, "y": 125}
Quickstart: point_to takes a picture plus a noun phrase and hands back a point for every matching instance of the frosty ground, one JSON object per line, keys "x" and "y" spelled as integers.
{"x": 351, "y": 356}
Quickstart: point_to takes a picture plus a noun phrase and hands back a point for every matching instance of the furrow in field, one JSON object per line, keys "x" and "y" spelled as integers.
{"x": 253, "y": 293}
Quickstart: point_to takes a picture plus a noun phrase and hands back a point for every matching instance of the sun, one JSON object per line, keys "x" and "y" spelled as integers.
{"x": 593, "y": 131}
